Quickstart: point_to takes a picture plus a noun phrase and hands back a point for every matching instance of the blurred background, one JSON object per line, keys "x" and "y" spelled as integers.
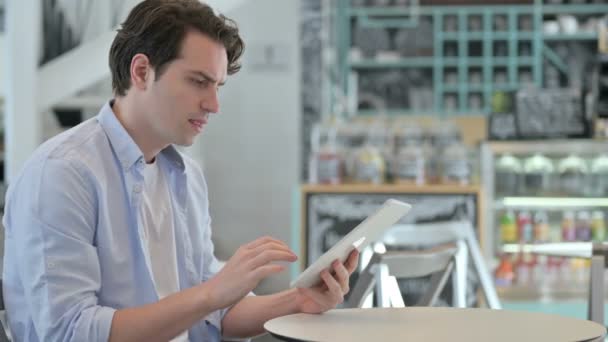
{"x": 493, "y": 112}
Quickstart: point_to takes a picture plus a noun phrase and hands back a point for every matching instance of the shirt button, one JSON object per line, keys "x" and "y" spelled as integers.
{"x": 137, "y": 188}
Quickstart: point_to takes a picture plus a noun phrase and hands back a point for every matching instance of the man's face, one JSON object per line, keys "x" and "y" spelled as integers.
{"x": 181, "y": 100}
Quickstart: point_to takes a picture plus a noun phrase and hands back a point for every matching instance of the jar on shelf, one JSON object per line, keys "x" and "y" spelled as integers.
{"x": 406, "y": 134}
{"x": 409, "y": 159}
{"x": 573, "y": 175}
{"x": 508, "y": 175}
{"x": 351, "y": 136}
{"x": 369, "y": 166}
{"x": 325, "y": 166}
{"x": 409, "y": 165}
{"x": 456, "y": 165}
{"x": 440, "y": 135}
{"x": 599, "y": 176}
{"x": 538, "y": 175}
{"x": 380, "y": 137}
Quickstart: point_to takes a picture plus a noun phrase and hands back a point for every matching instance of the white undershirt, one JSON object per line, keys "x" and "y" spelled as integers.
{"x": 157, "y": 219}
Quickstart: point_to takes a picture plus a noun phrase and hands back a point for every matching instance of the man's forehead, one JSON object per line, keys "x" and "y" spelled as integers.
{"x": 201, "y": 53}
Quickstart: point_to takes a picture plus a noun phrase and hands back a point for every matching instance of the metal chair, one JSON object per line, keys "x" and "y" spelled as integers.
{"x": 461, "y": 233}
{"x": 384, "y": 268}
{"x": 458, "y": 233}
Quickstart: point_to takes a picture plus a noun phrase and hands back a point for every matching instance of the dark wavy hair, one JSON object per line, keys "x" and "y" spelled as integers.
{"x": 157, "y": 29}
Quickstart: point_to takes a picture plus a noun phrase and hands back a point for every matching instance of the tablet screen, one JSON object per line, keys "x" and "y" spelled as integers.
{"x": 362, "y": 235}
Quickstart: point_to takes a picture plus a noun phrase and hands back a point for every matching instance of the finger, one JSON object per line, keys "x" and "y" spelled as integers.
{"x": 270, "y": 245}
{"x": 334, "y": 289}
{"x": 265, "y": 271}
{"x": 352, "y": 261}
{"x": 267, "y": 247}
{"x": 341, "y": 276}
{"x": 260, "y": 241}
{"x": 269, "y": 256}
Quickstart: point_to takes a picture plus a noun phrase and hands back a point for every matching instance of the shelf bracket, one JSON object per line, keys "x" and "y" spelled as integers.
{"x": 555, "y": 59}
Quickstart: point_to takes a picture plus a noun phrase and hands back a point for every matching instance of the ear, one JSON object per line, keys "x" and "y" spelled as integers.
{"x": 141, "y": 71}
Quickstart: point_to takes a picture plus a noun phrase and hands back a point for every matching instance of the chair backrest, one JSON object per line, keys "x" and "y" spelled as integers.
{"x": 427, "y": 234}
{"x": 383, "y": 270}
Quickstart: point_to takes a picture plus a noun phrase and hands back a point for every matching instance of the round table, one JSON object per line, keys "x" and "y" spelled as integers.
{"x": 432, "y": 324}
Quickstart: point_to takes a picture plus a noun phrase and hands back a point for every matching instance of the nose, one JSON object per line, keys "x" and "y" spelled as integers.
{"x": 210, "y": 102}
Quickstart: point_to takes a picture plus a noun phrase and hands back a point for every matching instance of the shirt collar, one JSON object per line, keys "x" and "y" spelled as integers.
{"x": 127, "y": 151}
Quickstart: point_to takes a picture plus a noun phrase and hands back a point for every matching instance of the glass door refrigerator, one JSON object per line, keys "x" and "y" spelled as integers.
{"x": 541, "y": 192}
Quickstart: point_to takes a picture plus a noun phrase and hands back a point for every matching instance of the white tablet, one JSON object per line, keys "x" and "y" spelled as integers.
{"x": 362, "y": 235}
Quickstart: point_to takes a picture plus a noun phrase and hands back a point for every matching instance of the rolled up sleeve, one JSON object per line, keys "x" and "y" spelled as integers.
{"x": 51, "y": 219}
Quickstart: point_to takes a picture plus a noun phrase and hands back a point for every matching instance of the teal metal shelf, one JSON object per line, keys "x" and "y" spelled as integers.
{"x": 397, "y": 112}
{"x": 519, "y": 9}
{"x": 412, "y": 62}
{"x": 413, "y": 112}
{"x": 395, "y": 11}
{"x": 491, "y": 73}
{"x": 481, "y": 61}
{"x": 471, "y": 88}
{"x": 575, "y": 9}
{"x": 428, "y": 62}
{"x": 455, "y": 36}
{"x": 570, "y": 37}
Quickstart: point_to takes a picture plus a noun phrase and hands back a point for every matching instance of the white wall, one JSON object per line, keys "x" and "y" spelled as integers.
{"x": 250, "y": 150}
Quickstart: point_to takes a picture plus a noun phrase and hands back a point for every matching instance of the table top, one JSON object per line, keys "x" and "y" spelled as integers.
{"x": 432, "y": 324}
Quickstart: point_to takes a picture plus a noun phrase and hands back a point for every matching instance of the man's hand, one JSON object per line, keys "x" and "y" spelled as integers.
{"x": 329, "y": 293}
{"x": 246, "y": 268}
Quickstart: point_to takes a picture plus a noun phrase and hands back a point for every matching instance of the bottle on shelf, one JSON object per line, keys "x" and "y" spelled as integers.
{"x": 583, "y": 226}
{"x": 541, "y": 227}
{"x": 508, "y": 227}
{"x": 525, "y": 230}
{"x": 523, "y": 270}
{"x": 504, "y": 274}
{"x": 568, "y": 226}
{"x": 598, "y": 226}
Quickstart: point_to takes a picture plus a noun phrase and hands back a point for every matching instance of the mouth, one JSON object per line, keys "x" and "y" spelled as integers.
{"x": 198, "y": 124}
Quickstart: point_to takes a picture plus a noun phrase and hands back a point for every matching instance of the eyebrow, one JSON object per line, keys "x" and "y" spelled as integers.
{"x": 207, "y": 77}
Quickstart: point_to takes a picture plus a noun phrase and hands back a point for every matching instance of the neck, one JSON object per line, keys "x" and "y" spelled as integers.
{"x": 133, "y": 119}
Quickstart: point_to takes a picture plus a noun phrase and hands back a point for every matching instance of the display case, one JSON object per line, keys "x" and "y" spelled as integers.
{"x": 541, "y": 192}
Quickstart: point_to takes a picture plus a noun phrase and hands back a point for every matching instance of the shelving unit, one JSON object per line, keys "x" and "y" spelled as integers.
{"x": 491, "y": 50}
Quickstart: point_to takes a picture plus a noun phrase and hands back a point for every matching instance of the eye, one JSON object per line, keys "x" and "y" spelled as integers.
{"x": 201, "y": 83}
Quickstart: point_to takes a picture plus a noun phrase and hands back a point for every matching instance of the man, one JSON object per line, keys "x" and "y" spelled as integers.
{"x": 107, "y": 227}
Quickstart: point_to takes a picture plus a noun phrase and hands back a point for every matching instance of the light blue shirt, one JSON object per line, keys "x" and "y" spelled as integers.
{"x": 74, "y": 251}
